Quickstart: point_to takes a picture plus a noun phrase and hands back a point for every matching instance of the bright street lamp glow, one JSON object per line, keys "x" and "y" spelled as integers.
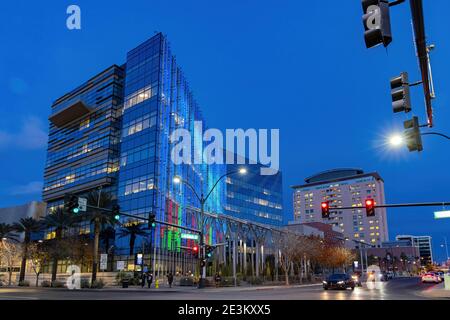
{"x": 177, "y": 179}
{"x": 396, "y": 140}
{"x": 242, "y": 170}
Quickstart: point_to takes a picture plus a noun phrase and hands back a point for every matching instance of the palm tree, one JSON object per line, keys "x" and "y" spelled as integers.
{"x": 26, "y": 226}
{"x": 100, "y": 219}
{"x": 60, "y": 220}
{"x": 106, "y": 235}
{"x": 133, "y": 230}
{"x": 7, "y": 233}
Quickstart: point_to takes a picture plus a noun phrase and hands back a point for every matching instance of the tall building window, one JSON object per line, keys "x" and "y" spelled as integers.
{"x": 139, "y": 96}
{"x": 139, "y": 124}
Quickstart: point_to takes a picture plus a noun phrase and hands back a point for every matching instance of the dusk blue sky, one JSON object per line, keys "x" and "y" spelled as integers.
{"x": 300, "y": 66}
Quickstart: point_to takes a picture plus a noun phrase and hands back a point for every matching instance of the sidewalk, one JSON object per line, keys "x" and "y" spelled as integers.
{"x": 436, "y": 292}
{"x": 166, "y": 288}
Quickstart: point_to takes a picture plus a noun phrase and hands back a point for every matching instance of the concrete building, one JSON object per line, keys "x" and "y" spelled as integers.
{"x": 33, "y": 209}
{"x": 344, "y": 188}
{"x": 423, "y": 243}
{"x": 398, "y": 256}
{"x": 322, "y": 230}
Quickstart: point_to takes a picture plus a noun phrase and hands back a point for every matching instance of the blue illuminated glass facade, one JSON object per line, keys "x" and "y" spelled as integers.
{"x": 254, "y": 197}
{"x": 158, "y": 100}
{"x": 113, "y": 131}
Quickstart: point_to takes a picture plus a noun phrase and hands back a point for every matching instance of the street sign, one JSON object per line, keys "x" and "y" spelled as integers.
{"x": 82, "y": 204}
{"x": 139, "y": 260}
{"x": 103, "y": 261}
{"x": 189, "y": 236}
{"x": 442, "y": 215}
{"x": 120, "y": 265}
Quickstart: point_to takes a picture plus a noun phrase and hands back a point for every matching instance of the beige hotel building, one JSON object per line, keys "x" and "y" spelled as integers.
{"x": 344, "y": 188}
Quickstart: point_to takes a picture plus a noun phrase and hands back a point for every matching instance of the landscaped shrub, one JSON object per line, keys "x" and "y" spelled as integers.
{"x": 123, "y": 275}
{"x": 85, "y": 283}
{"x": 46, "y": 284}
{"x": 255, "y": 280}
{"x": 187, "y": 281}
{"x": 229, "y": 282}
{"x": 24, "y": 283}
{"x": 97, "y": 284}
{"x": 58, "y": 284}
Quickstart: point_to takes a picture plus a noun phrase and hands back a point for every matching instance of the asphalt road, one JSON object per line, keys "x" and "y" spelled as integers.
{"x": 397, "y": 289}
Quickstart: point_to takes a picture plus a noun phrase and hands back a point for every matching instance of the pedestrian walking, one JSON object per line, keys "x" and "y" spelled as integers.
{"x": 170, "y": 279}
{"x": 149, "y": 279}
{"x": 217, "y": 279}
{"x": 143, "y": 277}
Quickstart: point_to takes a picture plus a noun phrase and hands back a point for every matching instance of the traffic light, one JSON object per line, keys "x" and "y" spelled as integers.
{"x": 412, "y": 135}
{"x": 377, "y": 22}
{"x": 71, "y": 203}
{"x": 151, "y": 221}
{"x": 401, "y": 97}
{"x": 116, "y": 212}
{"x": 370, "y": 208}
{"x": 325, "y": 206}
{"x": 209, "y": 251}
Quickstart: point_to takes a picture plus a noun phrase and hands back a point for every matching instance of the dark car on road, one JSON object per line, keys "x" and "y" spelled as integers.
{"x": 339, "y": 281}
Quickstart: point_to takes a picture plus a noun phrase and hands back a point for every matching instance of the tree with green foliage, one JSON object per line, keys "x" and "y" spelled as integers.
{"x": 133, "y": 230}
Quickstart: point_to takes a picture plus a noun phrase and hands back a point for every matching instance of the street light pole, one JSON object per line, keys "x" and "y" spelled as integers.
{"x": 446, "y": 248}
{"x": 202, "y": 199}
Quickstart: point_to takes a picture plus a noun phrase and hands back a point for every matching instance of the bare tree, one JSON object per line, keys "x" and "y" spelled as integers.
{"x": 287, "y": 244}
{"x": 38, "y": 257}
{"x": 9, "y": 256}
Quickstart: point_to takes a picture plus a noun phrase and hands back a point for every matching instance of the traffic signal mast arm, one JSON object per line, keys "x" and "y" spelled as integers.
{"x": 400, "y": 205}
{"x": 147, "y": 219}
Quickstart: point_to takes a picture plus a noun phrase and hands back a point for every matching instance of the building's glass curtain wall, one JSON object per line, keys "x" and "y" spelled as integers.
{"x": 254, "y": 197}
{"x": 113, "y": 132}
{"x": 83, "y": 151}
{"x": 158, "y": 101}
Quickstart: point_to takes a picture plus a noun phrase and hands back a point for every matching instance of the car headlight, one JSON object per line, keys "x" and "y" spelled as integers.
{"x": 354, "y": 277}
{"x": 324, "y": 282}
{"x": 341, "y": 282}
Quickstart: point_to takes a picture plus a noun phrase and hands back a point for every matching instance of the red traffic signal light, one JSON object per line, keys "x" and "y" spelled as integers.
{"x": 195, "y": 248}
{"x": 370, "y": 208}
{"x": 325, "y": 206}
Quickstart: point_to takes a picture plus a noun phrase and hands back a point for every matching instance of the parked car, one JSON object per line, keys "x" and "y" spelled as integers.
{"x": 430, "y": 277}
{"x": 339, "y": 281}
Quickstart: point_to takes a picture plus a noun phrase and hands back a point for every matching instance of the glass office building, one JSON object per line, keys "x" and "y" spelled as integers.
{"x": 84, "y": 138}
{"x": 113, "y": 132}
{"x": 254, "y": 197}
{"x": 158, "y": 100}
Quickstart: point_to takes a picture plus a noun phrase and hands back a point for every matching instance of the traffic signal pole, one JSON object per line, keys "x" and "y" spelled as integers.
{"x": 400, "y": 205}
{"x": 147, "y": 219}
